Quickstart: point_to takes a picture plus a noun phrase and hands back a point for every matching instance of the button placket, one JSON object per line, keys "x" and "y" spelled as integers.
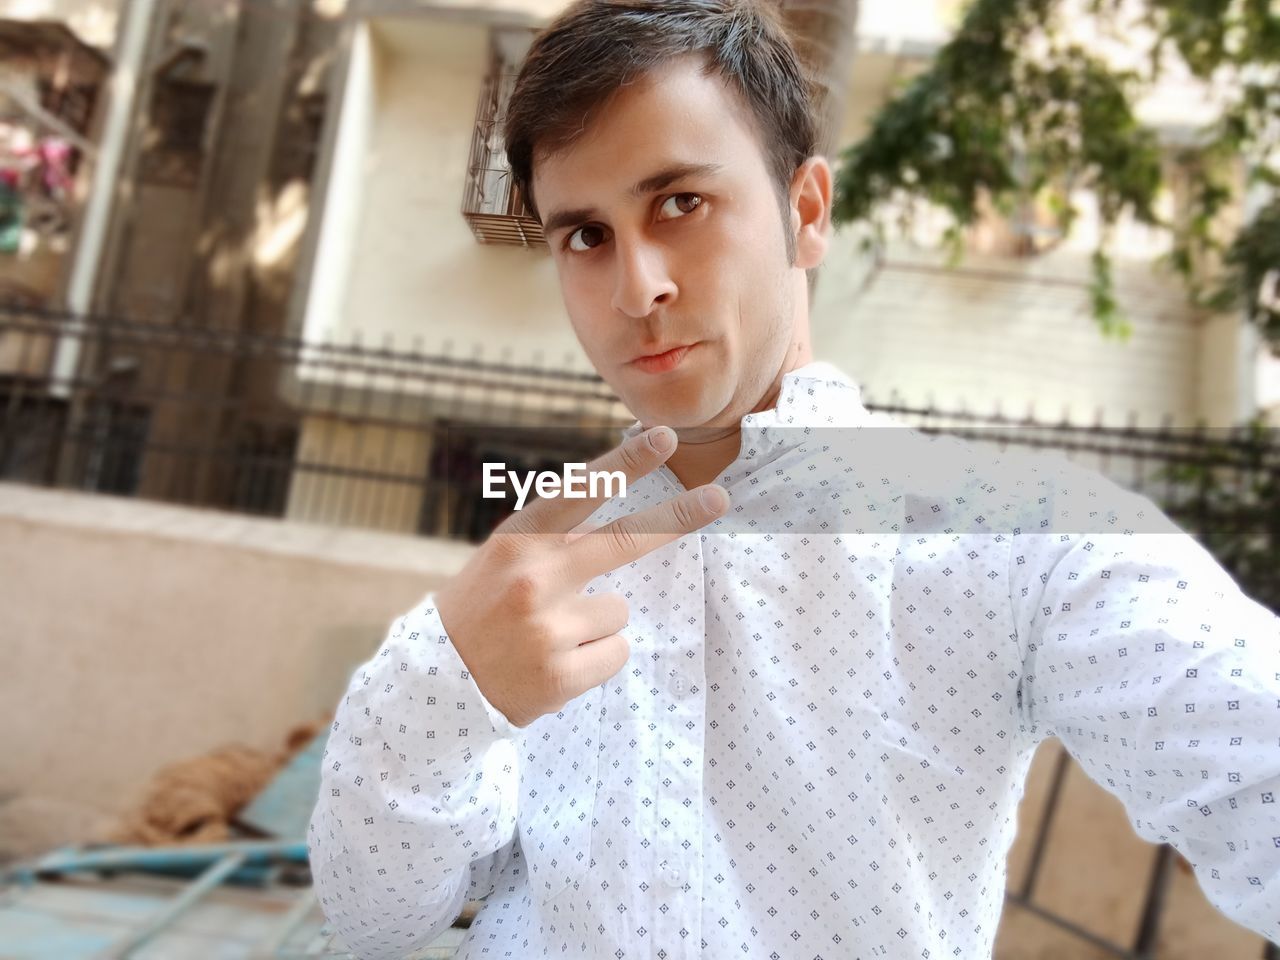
{"x": 677, "y": 917}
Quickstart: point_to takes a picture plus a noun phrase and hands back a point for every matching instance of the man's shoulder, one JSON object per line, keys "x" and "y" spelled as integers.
{"x": 977, "y": 484}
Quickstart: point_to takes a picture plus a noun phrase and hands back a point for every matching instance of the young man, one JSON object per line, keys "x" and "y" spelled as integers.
{"x": 780, "y": 700}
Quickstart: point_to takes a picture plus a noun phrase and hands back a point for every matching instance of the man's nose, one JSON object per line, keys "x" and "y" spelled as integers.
{"x": 643, "y": 280}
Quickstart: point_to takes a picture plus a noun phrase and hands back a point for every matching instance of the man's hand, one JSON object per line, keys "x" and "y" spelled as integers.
{"x": 516, "y": 614}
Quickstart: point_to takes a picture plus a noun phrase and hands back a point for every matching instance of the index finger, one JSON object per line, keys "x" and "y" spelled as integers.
{"x": 633, "y": 458}
{"x": 631, "y": 537}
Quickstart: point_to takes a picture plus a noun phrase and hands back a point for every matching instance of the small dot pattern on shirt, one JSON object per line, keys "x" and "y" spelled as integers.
{"x": 818, "y": 744}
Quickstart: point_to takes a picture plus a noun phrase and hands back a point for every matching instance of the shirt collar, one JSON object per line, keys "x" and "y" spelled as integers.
{"x": 815, "y": 395}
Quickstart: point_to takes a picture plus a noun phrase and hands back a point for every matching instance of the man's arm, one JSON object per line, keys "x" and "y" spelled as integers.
{"x": 417, "y": 805}
{"x": 1163, "y": 680}
{"x": 420, "y": 777}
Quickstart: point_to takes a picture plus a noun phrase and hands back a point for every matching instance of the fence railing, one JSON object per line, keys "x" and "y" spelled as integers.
{"x": 393, "y": 439}
{"x": 276, "y": 425}
{"x": 1220, "y": 485}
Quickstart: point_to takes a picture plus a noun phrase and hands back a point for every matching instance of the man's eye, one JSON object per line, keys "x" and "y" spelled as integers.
{"x": 585, "y": 238}
{"x": 589, "y": 237}
{"x": 679, "y": 205}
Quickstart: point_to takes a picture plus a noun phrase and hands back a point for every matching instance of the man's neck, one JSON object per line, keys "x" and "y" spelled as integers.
{"x": 703, "y": 453}
{"x": 699, "y": 461}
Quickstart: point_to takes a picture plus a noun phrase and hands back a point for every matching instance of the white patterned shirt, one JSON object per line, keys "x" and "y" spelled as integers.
{"x": 818, "y": 744}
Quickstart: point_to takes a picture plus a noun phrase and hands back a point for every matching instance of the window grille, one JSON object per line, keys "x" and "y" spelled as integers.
{"x": 492, "y": 204}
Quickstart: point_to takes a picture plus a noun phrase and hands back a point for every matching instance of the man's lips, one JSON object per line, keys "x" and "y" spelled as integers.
{"x": 664, "y": 360}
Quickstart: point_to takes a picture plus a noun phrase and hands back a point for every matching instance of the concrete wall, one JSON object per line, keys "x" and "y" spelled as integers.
{"x": 403, "y": 262}
{"x": 336, "y": 253}
{"x": 1017, "y": 334}
{"x": 134, "y": 634}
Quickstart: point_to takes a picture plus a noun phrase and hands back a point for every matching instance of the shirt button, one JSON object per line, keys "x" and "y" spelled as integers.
{"x": 679, "y": 686}
{"x": 673, "y": 877}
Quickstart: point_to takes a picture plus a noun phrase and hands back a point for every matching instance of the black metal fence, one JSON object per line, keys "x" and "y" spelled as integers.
{"x": 279, "y": 426}
{"x": 1221, "y": 485}
{"x": 393, "y": 439}
{"x": 376, "y": 437}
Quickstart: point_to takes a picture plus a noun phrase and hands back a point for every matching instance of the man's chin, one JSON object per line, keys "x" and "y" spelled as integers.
{"x": 678, "y": 401}
{"x": 690, "y": 414}
{"x": 665, "y": 415}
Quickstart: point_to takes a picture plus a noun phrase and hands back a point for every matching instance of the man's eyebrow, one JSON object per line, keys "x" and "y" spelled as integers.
{"x": 651, "y": 184}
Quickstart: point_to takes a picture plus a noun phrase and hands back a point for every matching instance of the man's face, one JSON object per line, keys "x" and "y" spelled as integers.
{"x": 666, "y": 229}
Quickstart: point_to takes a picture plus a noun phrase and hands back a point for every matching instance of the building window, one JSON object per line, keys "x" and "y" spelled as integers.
{"x": 492, "y": 204}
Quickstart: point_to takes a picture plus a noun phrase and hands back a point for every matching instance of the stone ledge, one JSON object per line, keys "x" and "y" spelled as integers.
{"x": 95, "y": 512}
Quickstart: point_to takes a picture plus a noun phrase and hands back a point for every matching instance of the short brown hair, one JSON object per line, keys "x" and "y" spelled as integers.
{"x": 596, "y": 46}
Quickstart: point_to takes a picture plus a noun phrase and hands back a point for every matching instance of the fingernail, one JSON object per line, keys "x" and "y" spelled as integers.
{"x": 662, "y": 439}
{"x": 713, "y": 498}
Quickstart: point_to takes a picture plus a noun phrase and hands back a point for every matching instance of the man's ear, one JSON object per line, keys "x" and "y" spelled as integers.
{"x": 811, "y": 211}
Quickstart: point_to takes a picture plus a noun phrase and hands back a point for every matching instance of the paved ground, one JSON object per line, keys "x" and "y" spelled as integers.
{"x": 1095, "y": 873}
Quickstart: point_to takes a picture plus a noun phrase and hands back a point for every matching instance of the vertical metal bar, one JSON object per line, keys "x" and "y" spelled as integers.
{"x": 386, "y": 463}
{"x": 348, "y": 513}
{"x": 306, "y": 418}
{"x": 216, "y": 486}
{"x": 1046, "y": 822}
{"x": 128, "y": 78}
{"x": 67, "y": 460}
{"x": 334, "y": 418}
{"x": 9, "y": 424}
{"x": 163, "y": 376}
{"x": 1144, "y": 945}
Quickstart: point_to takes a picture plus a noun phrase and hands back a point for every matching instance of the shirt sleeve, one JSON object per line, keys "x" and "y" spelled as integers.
{"x": 417, "y": 806}
{"x": 1162, "y": 679}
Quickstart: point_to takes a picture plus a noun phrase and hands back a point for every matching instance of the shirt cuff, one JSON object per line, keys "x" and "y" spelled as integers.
{"x": 433, "y": 625}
